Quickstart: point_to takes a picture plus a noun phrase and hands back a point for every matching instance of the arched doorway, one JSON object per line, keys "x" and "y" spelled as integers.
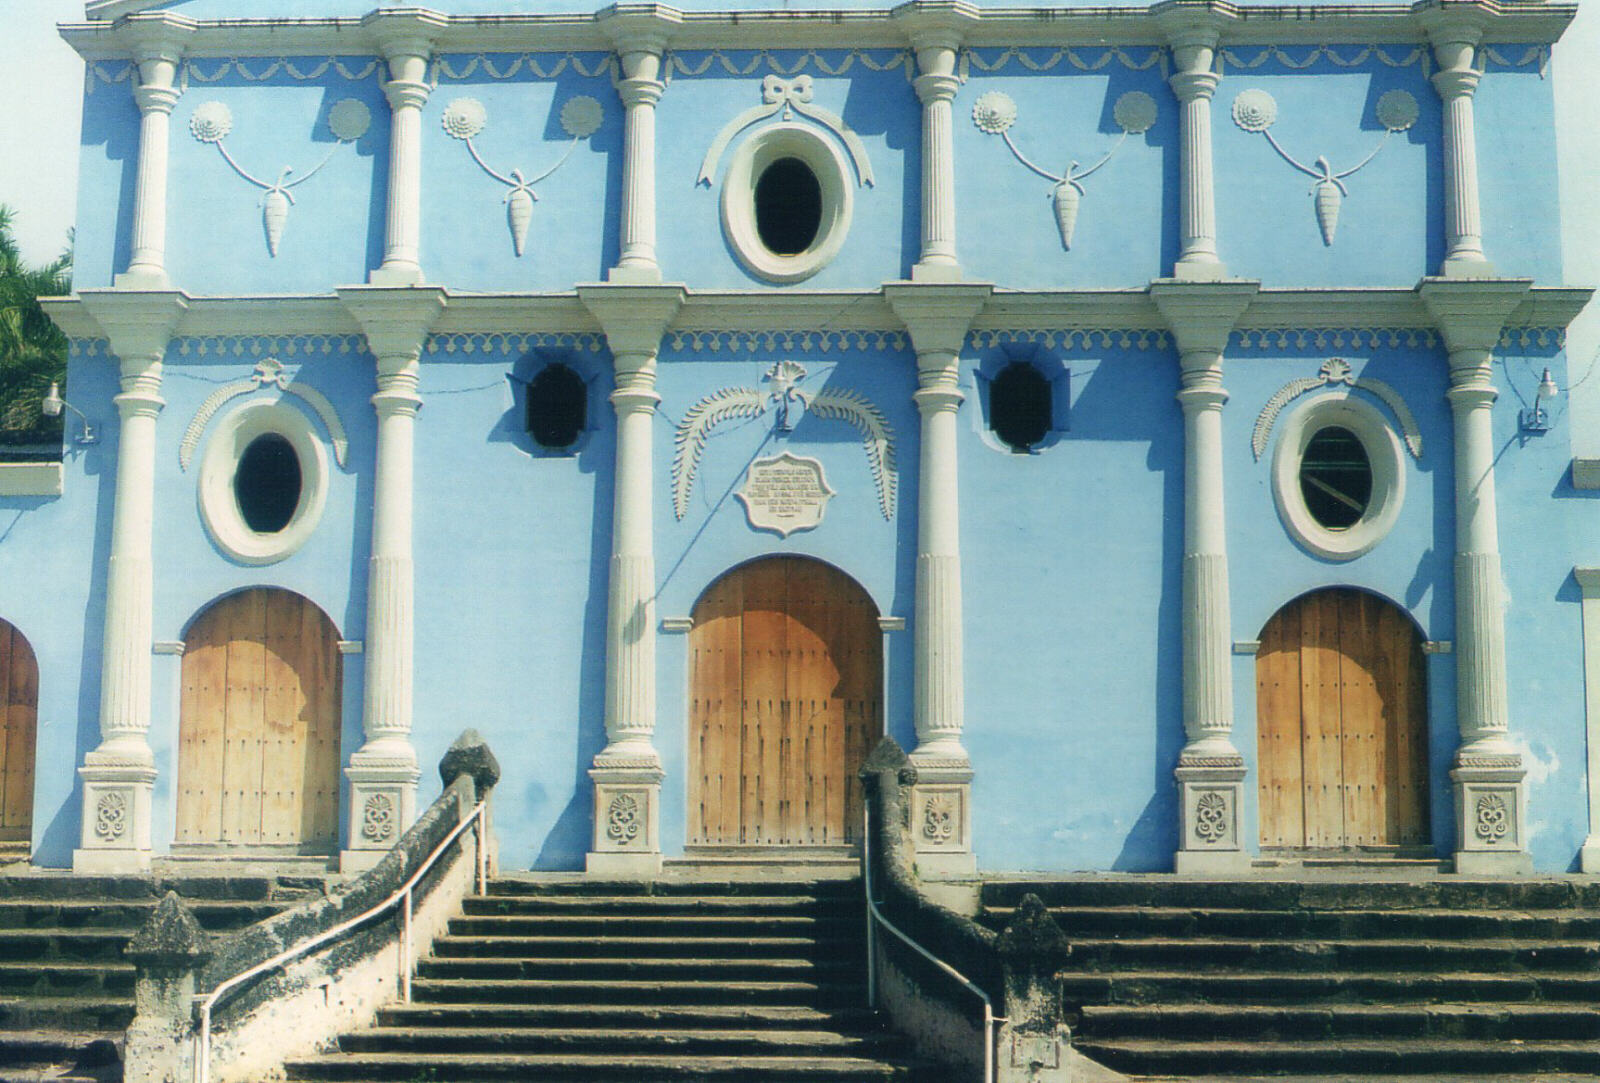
{"x": 19, "y": 723}
{"x": 786, "y": 699}
{"x": 1341, "y": 717}
{"x": 258, "y": 729}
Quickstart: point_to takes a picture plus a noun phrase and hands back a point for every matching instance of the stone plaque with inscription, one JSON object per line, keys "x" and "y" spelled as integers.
{"x": 785, "y": 493}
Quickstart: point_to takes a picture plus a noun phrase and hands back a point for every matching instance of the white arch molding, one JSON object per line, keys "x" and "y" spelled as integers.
{"x": 1382, "y": 446}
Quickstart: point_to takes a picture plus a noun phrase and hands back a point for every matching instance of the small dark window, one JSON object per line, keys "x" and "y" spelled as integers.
{"x": 267, "y": 483}
{"x": 788, "y": 206}
{"x": 1336, "y": 478}
{"x": 1020, "y": 406}
{"x": 558, "y": 406}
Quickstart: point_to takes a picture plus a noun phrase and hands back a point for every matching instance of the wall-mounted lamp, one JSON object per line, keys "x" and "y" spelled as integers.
{"x": 51, "y": 406}
{"x": 1537, "y": 419}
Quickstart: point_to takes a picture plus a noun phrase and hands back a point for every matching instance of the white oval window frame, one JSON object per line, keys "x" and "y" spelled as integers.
{"x": 1384, "y": 453}
{"x": 219, "y": 506}
{"x": 749, "y": 161}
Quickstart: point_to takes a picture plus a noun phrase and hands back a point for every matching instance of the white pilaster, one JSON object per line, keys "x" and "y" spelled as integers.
{"x": 383, "y": 773}
{"x": 935, "y": 29}
{"x": 1210, "y": 771}
{"x": 156, "y": 41}
{"x": 1193, "y": 34}
{"x": 1455, "y": 35}
{"x": 627, "y": 772}
{"x": 937, "y": 318}
{"x": 119, "y": 774}
{"x": 638, "y": 33}
{"x": 405, "y": 39}
{"x": 1589, "y": 583}
{"x": 1490, "y": 780}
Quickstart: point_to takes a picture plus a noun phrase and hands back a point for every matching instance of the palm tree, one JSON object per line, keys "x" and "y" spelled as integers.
{"x": 33, "y": 351}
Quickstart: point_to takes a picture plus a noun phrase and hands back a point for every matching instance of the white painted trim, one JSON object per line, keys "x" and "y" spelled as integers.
{"x": 677, "y": 624}
{"x": 1586, "y": 474}
{"x": 749, "y": 160}
{"x": 351, "y": 646}
{"x": 1589, "y": 583}
{"x": 1383, "y": 450}
{"x": 219, "y": 507}
{"x": 168, "y": 646}
{"x": 891, "y": 624}
{"x": 1247, "y": 646}
{"x": 1438, "y": 646}
{"x": 30, "y": 479}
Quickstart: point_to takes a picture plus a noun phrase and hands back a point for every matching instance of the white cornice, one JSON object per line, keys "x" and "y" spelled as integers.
{"x": 1310, "y": 24}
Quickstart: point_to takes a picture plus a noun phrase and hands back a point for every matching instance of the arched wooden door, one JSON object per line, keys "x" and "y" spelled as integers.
{"x": 786, "y": 700}
{"x": 1341, "y": 718}
{"x": 258, "y": 730}
{"x": 19, "y": 722}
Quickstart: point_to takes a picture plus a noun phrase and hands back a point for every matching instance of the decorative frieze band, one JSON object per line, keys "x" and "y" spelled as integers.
{"x": 259, "y": 347}
{"x": 829, "y": 62}
{"x": 1042, "y": 60}
{"x": 1330, "y": 338}
{"x": 509, "y": 66}
{"x": 1300, "y": 60}
{"x": 730, "y": 341}
{"x": 1071, "y": 338}
{"x": 301, "y": 69}
{"x": 513, "y": 343}
{"x": 1547, "y": 337}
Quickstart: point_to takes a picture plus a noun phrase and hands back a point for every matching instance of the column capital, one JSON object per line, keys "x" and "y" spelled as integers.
{"x": 937, "y": 27}
{"x": 395, "y": 319}
{"x": 1201, "y": 315}
{"x": 151, "y": 98}
{"x": 401, "y": 33}
{"x": 638, "y": 32}
{"x": 937, "y": 315}
{"x": 1470, "y": 313}
{"x": 155, "y": 38}
{"x": 1454, "y": 30}
{"x": 1188, "y": 86}
{"x": 1193, "y": 28}
{"x": 138, "y": 324}
{"x": 406, "y": 93}
{"x": 936, "y": 87}
{"x": 633, "y": 318}
{"x": 640, "y": 91}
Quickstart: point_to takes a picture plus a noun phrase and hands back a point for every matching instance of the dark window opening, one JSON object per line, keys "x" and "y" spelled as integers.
{"x": 1020, "y": 406}
{"x": 267, "y": 483}
{"x": 558, "y": 406}
{"x": 788, "y": 206}
{"x": 1336, "y": 478}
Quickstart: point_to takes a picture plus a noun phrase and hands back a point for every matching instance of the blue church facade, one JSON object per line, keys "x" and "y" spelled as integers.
{"x": 1280, "y": 338}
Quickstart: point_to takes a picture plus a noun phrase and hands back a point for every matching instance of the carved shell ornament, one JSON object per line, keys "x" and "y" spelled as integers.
{"x": 995, "y": 112}
{"x": 782, "y": 99}
{"x": 1336, "y": 371}
{"x": 269, "y": 374}
{"x": 212, "y": 122}
{"x": 833, "y": 404}
{"x": 466, "y": 118}
{"x": 1257, "y": 111}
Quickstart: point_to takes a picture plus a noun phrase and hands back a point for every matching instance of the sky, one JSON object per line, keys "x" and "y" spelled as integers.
{"x": 39, "y": 136}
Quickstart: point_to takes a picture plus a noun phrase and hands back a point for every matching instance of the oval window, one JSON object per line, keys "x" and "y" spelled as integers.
{"x": 1020, "y": 406}
{"x": 1336, "y": 477}
{"x": 267, "y": 483}
{"x": 788, "y": 207}
{"x": 558, "y": 406}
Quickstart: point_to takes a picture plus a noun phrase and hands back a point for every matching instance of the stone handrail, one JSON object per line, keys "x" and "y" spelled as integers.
{"x": 305, "y": 1005}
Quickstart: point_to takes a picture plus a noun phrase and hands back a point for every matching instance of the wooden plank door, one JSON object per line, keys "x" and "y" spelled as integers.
{"x": 1341, "y": 725}
{"x": 259, "y": 718}
{"x": 786, "y": 691}
{"x": 19, "y": 722}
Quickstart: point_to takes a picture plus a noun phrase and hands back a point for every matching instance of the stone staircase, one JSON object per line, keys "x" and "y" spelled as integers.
{"x": 66, "y": 992}
{"x": 1391, "y": 980}
{"x": 689, "y": 978}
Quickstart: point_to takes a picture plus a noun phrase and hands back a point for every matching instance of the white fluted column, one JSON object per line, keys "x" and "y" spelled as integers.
{"x": 383, "y": 772}
{"x": 937, "y": 318}
{"x": 627, "y": 772}
{"x": 157, "y": 48}
{"x": 1210, "y": 770}
{"x": 935, "y": 33}
{"x": 1490, "y": 780}
{"x": 405, "y": 39}
{"x": 1193, "y": 37}
{"x": 640, "y": 41}
{"x": 119, "y": 774}
{"x": 1455, "y": 39}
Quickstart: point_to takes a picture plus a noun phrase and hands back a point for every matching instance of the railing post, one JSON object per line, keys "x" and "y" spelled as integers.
{"x": 1032, "y": 949}
{"x": 405, "y": 947}
{"x": 168, "y": 950}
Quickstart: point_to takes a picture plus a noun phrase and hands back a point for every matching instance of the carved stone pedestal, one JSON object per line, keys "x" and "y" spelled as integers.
{"x": 383, "y": 798}
{"x": 627, "y": 822}
{"x": 1491, "y": 817}
{"x": 941, "y": 819}
{"x": 1209, "y": 795}
{"x": 116, "y": 817}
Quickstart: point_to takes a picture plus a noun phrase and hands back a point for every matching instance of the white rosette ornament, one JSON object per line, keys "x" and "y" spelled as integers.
{"x": 995, "y": 112}
{"x": 212, "y": 121}
{"x": 1256, "y": 110}
{"x": 466, "y": 118}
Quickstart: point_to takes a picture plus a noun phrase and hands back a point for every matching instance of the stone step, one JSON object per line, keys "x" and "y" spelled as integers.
{"x": 214, "y": 915}
{"x": 617, "y": 1041}
{"x": 67, "y": 1013}
{"x": 469, "y": 1068}
{"x": 579, "y": 1016}
{"x": 1502, "y": 1022}
{"x": 597, "y": 925}
{"x": 730, "y": 992}
{"x": 65, "y": 979}
{"x": 1451, "y": 893}
{"x": 1213, "y": 954}
{"x": 1388, "y": 1057}
{"x": 1433, "y": 924}
{"x": 665, "y": 888}
{"x": 63, "y": 945}
{"x": 638, "y": 970}
{"x": 750, "y": 905}
{"x": 1179, "y": 986}
{"x": 640, "y": 947}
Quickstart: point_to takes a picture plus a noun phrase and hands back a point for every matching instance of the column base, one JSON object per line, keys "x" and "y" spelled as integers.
{"x": 396, "y": 275}
{"x": 115, "y": 836}
{"x": 1200, "y": 270}
{"x": 941, "y": 817}
{"x": 936, "y": 272}
{"x": 383, "y": 802}
{"x": 1589, "y": 856}
{"x": 627, "y": 819}
{"x": 141, "y": 278}
{"x": 1210, "y": 789}
{"x": 1491, "y": 815}
{"x": 1466, "y": 267}
{"x": 635, "y": 274}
